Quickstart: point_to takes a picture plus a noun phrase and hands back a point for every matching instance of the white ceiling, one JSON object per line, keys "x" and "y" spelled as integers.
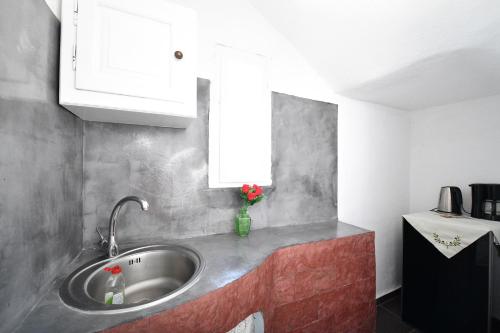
{"x": 408, "y": 54}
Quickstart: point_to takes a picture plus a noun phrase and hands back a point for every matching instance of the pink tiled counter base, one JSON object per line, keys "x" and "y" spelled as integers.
{"x": 325, "y": 286}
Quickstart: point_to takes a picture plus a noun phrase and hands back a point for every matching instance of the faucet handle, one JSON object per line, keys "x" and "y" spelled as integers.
{"x": 103, "y": 242}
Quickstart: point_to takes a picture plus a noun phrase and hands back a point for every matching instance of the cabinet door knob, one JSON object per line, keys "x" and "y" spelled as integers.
{"x": 178, "y": 54}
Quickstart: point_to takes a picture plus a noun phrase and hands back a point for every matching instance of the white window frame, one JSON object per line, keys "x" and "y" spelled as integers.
{"x": 217, "y": 93}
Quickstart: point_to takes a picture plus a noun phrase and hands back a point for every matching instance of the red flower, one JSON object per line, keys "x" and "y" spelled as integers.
{"x": 257, "y": 190}
{"x": 245, "y": 188}
{"x": 251, "y": 196}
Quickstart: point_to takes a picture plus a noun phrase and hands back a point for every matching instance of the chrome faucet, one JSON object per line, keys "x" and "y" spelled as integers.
{"x": 112, "y": 246}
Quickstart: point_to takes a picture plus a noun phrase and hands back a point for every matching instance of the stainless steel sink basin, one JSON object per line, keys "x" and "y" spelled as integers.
{"x": 153, "y": 274}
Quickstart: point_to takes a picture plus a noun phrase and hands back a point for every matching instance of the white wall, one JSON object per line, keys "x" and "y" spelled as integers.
{"x": 238, "y": 24}
{"x": 55, "y": 7}
{"x": 373, "y": 179}
{"x": 455, "y": 144}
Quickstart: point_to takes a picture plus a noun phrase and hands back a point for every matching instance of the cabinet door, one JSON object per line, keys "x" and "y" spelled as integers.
{"x": 127, "y": 47}
{"x": 240, "y": 120}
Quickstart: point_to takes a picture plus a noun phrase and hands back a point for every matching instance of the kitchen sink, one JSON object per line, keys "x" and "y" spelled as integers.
{"x": 153, "y": 274}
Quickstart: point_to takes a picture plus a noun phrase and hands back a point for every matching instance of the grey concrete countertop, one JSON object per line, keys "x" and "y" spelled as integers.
{"x": 228, "y": 257}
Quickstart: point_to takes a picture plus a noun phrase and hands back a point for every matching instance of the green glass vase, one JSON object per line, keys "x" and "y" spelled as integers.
{"x": 242, "y": 223}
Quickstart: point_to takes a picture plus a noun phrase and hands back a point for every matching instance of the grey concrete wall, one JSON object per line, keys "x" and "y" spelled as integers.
{"x": 304, "y": 164}
{"x": 40, "y": 160}
{"x": 168, "y": 167}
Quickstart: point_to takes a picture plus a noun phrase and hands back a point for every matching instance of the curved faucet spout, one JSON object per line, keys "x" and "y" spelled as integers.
{"x": 112, "y": 245}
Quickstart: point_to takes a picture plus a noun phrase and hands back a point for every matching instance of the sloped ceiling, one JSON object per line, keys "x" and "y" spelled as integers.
{"x": 408, "y": 54}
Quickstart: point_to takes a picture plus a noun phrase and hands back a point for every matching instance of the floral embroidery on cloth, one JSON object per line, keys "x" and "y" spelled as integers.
{"x": 457, "y": 241}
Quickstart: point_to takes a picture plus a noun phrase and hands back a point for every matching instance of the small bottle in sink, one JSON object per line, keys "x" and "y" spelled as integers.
{"x": 114, "y": 291}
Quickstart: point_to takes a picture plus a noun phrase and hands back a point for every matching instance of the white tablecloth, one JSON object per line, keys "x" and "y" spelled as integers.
{"x": 450, "y": 235}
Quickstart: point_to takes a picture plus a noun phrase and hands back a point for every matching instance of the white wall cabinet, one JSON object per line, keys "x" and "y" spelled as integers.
{"x": 128, "y": 61}
{"x": 240, "y": 120}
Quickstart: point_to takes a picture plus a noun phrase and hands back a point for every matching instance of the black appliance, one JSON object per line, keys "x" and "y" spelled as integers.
{"x": 486, "y": 201}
